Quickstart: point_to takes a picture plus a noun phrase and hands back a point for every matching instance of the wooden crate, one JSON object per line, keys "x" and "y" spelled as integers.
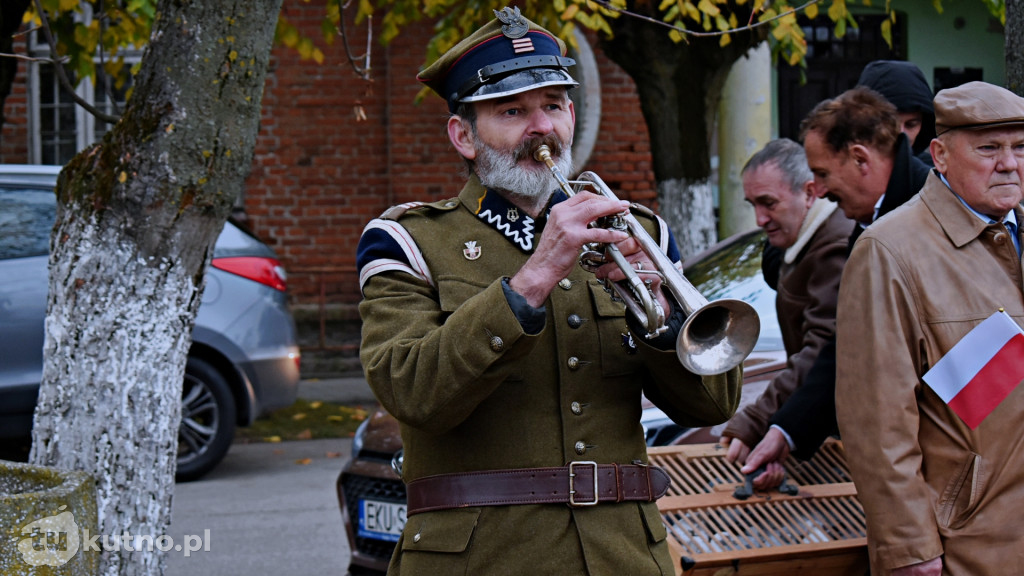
{"x": 819, "y": 531}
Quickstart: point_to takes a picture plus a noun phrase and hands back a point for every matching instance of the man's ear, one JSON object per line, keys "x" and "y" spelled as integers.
{"x": 810, "y": 192}
{"x": 860, "y": 154}
{"x": 940, "y": 154}
{"x": 461, "y": 136}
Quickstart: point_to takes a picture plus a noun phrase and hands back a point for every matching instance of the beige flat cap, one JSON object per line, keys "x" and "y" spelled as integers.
{"x": 976, "y": 105}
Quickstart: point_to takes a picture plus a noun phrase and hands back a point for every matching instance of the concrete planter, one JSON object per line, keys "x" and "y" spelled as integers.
{"x": 43, "y": 512}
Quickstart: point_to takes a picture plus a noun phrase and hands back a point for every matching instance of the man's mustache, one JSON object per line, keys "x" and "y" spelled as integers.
{"x": 525, "y": 148}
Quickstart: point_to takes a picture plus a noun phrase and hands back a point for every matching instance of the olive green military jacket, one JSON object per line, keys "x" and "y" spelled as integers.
{"x": 446, "y": 356}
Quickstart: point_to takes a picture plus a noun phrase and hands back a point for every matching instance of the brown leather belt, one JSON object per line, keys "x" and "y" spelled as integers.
{"x": 573, "y": 484}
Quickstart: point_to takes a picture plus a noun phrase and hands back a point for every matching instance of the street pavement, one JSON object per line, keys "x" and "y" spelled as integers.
{"x": 269, "y": 509}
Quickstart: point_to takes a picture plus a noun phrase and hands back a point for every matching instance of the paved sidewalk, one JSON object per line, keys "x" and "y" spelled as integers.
{"x": 266, "y": 510}
{"x": 346, "y": 390}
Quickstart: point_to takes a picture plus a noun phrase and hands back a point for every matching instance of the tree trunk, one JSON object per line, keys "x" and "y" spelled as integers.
{"x": 679, "y": 86}
{"x": 136, "y": 221}
{"x": 1014, "y": 38}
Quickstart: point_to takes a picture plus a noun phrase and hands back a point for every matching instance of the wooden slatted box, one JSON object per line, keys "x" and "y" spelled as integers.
{"x": 818, "y": 531}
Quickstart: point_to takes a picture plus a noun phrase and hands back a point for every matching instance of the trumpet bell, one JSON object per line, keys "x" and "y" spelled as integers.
{"x": 718, "y": 336}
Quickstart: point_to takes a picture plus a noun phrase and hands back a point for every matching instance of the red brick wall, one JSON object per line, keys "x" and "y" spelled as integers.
{"x": 14, "y": 136}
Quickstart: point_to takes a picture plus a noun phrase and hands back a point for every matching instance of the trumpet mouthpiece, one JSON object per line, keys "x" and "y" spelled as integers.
{"x": 542, "y": 153}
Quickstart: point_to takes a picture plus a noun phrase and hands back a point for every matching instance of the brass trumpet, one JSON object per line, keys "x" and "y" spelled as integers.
{"x": 715, "y": 337}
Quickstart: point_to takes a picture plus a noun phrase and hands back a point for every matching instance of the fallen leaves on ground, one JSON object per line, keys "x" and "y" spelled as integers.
{"x": 305, "y": 420}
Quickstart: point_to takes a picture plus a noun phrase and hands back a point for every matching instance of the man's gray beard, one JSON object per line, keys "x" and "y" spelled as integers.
{"x": 499, "y": 170}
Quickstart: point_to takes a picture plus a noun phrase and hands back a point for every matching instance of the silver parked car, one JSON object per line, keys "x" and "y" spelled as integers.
{"x": 244, "y": 359}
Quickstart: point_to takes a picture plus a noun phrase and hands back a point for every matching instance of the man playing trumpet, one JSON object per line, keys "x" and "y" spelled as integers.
{"x": 516, "y": 379}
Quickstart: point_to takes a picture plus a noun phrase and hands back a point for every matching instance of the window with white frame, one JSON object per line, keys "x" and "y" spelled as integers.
{"x": 58, "y": 127}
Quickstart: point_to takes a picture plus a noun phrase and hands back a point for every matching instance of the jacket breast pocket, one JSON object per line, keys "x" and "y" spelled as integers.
{"x": 617, "y": 348}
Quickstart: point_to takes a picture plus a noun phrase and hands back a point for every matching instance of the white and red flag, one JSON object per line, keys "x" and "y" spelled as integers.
{"x": 981, "y": 370}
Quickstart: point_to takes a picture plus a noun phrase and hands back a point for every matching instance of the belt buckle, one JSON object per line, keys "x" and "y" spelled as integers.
{"x": 572, "y": 483}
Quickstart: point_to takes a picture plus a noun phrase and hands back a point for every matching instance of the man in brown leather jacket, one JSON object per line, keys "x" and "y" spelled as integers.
{"x": 516, "y": 379}
{"x": 943, "y": 494}
{"x": 813, "y": 235}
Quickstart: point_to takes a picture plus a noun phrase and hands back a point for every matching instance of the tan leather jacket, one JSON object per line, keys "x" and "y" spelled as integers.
{"x": 917, "y": 281}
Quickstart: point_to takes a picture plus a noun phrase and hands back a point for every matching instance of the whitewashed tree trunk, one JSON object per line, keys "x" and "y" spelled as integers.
{"x": 689, "y": 208}
{"x": 137, "y": 218}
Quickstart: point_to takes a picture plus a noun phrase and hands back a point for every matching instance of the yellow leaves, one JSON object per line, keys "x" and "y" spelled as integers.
{"x": 708, "y": 8}
{"x": 837, "y": 11}
{"x": 812, "y": 11}
{"x": 299, "y": 416}
{"x": 887, "y": 31}
{"x": 786, "y": 26}
{"x": 122, "y": 177}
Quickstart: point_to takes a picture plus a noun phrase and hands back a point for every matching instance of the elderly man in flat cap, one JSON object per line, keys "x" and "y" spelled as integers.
{"x": 516, "y": 379}
{"x": 927, "y": 393}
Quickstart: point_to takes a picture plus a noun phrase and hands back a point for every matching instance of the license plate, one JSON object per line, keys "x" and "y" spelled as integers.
{"x": 381, "y": 520}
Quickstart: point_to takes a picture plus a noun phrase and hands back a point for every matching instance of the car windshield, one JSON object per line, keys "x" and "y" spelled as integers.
{"x": 26, "y": 217}
{"x": 732, "y": 269}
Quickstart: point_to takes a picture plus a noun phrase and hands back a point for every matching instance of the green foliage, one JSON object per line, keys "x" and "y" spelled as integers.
{"x": 88, "y": 31}
{"x": 686, "y": 18}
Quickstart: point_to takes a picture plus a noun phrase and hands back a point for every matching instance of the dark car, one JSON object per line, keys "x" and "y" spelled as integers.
{"x": 371, "y": 492}
{"x": 244, "y": 358}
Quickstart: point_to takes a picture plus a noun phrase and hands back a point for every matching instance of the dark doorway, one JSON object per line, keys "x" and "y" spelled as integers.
{"x": 833, "y": 64}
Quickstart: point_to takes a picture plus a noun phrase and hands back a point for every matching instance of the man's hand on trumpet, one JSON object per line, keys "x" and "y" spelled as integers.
{"x": 642, "y": 264}
{"x": 567, "y": 230}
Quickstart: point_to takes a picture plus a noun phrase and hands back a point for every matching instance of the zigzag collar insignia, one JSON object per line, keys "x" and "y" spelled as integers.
{"x": 516, "y": 226}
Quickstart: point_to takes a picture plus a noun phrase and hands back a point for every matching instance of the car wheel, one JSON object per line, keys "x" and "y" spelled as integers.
{"x": 207, "y": 420}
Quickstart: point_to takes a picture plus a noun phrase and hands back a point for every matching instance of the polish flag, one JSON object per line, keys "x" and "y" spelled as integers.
{"x": 981, "y": 370}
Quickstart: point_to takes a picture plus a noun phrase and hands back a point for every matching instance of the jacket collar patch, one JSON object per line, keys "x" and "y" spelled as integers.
{"x": 515, "y": 225}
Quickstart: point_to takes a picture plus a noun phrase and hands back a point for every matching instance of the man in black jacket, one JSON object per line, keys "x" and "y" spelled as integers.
{"x": 862, "y": 161}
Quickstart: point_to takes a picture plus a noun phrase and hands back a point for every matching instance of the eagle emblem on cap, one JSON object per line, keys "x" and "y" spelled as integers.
{"x": 513, "y": 24}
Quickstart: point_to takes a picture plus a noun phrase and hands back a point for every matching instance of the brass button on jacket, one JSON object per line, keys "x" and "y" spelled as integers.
{"x": 576, "y": 408}
{"x": 497, "y": 344}
{"x": 574, "y": 321}
{"x": 573, "y": 362}
{"x": 581, "y": 448}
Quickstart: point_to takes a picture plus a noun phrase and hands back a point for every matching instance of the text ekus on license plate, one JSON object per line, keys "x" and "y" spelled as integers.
{"x": 381, "y": 520}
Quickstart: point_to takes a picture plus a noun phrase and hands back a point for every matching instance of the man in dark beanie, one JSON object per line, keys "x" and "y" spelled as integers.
{"x": 904, "y": 85}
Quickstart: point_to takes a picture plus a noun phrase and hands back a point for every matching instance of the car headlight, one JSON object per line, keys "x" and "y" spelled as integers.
{"x": 359, "y": 438}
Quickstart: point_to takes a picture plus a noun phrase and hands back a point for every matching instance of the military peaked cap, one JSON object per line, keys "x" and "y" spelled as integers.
{"x": 508, "y": 55}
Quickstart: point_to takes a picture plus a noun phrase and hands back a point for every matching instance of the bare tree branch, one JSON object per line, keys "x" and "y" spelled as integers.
{"x": 364, "y": 71}
{"x": 62, "y": 75}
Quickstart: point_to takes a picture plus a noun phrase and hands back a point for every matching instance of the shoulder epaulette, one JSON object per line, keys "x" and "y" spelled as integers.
{"x": 396, "y": 212}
